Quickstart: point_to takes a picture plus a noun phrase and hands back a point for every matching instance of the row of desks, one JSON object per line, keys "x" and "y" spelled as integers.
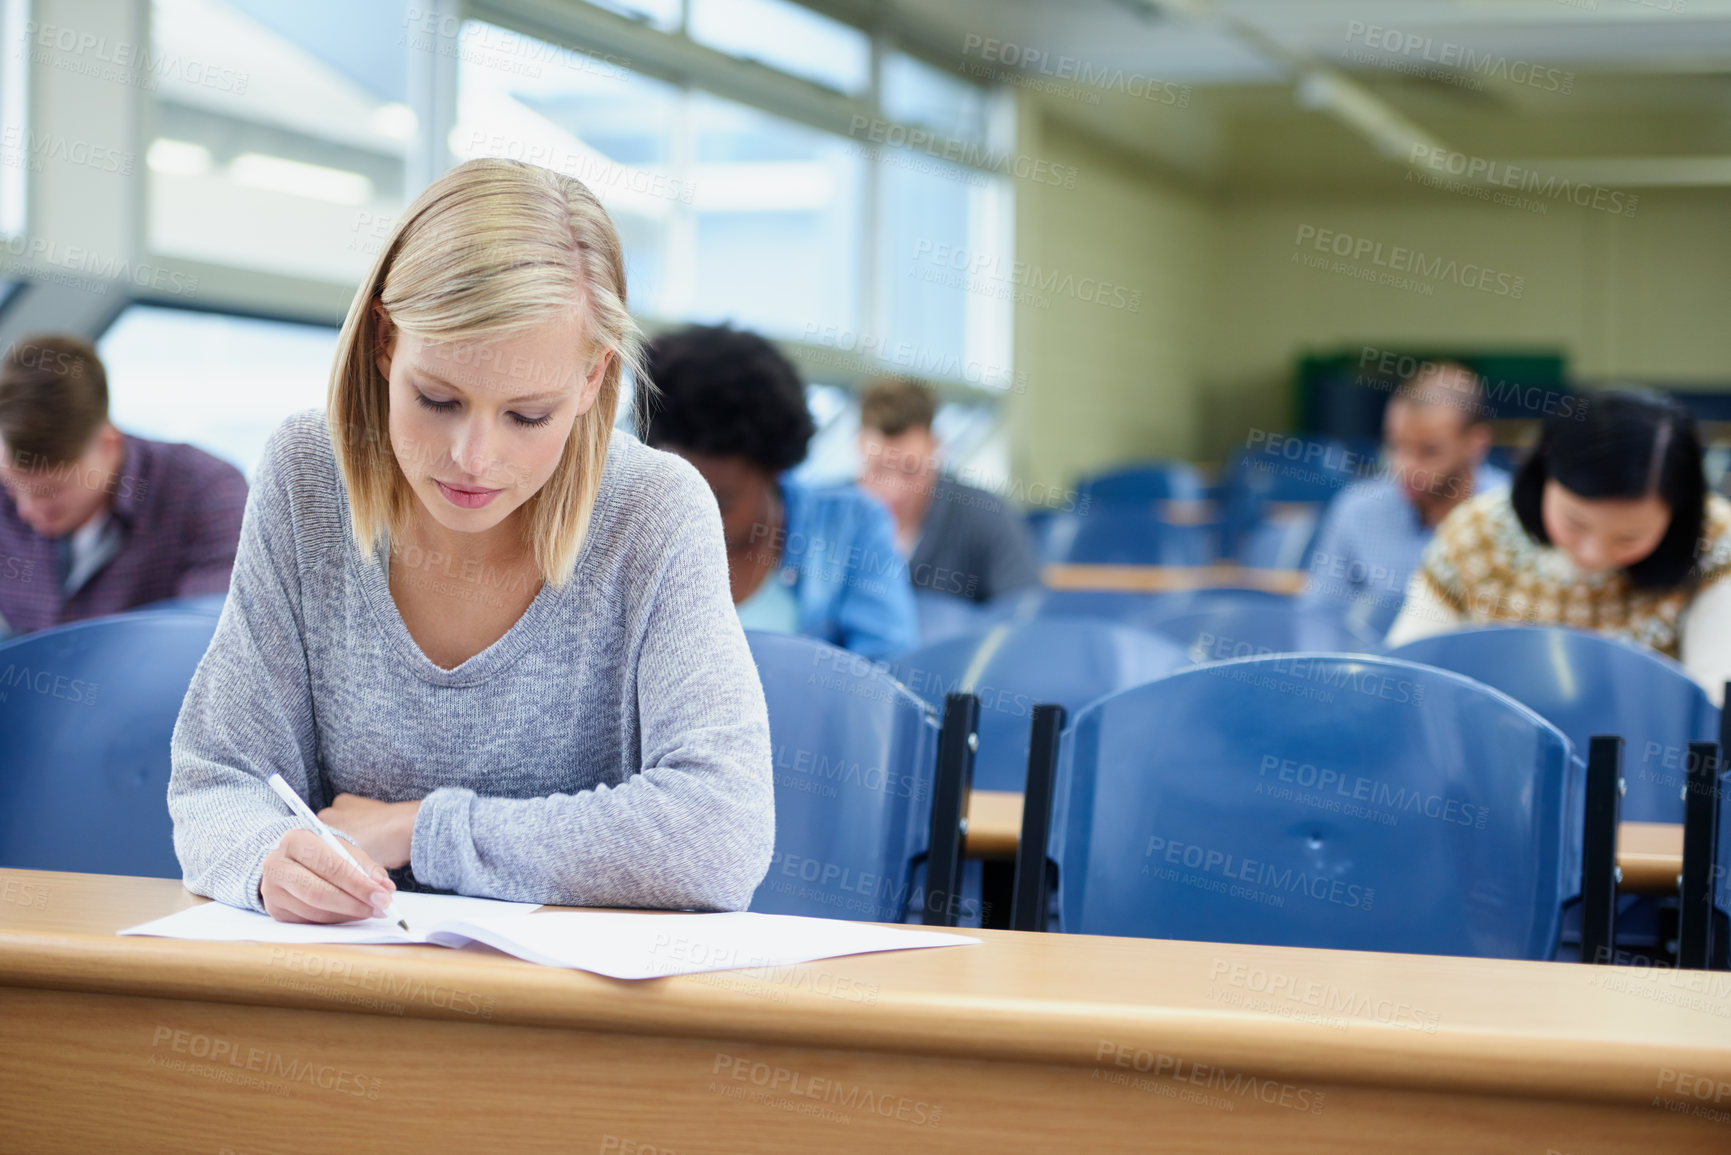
{"x": 1028, "y": 1042}
{"x": 1650, "y": 853}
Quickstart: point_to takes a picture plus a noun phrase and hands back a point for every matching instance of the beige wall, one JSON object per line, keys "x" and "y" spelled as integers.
{"x": 1106, "y": 384}
{"x": 1226, "y": 311}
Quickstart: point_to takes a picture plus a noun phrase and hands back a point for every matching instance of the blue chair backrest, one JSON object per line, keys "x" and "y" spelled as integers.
{"x": 1270, "y": 484}
{"x": 1214, "y": 629}
{"x": 1283, "y": 541}
{"x": 855, "y": 754}
{"x": 86, "y": 714}
{"x": 1295, "y": 468}
{"x": 1589, "y": 684}
{"x": 210, "y": 604}
{"x": 947, "y": 616}
{"x": 1141, "y": 486}
{"x": 1013, "y": 667}
{"x": 1116, "y": 537}
{"x": 1319, "y": 801}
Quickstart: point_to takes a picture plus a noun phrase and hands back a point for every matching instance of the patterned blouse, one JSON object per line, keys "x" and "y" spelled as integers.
{"x": 1483, "y": 565}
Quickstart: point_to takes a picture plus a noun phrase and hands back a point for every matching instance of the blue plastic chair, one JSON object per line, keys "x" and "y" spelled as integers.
{"x": 87, "y": 711}
{"x": 1141, "y": 486}
{"x": 210, "y": 604}
{"x": 1589, "y": 684}
{"x": 1117, "y": 537}
{"x": 1219, "y": 625}
{"x": 855, "y": 754}
{"x": 1289, "y": 480}
{"x": 947, "y": 616}
{"x": 1012, "y": 667}
{"x": 1282, "y": 541}
{"x": 1318, "y": 801}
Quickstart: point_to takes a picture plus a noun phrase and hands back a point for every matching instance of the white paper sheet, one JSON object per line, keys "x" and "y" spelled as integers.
{"x": 639, "y": 946}
{"x": 214, "y": 922}
{"x": 622, "y": 944}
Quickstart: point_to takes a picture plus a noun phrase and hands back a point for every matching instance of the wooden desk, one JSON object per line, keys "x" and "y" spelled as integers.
{"x": 1039, "y": 1043}
{"x": 1650, "y": 853}
{"x": 1154, "y": 579}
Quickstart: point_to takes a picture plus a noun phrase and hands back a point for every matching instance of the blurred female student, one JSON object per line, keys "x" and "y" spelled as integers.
{"x": 803, "y": 559}
{"x": 486, "y": 633}
{"x": 1608, "y": 526}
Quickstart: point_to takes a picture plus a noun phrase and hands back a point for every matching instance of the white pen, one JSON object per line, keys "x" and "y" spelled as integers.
{"x": 304, "y": 812}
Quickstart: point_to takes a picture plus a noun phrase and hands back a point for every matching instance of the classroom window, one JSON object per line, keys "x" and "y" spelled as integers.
{"x": 916, "y": 93}
{"x": 788, "y": 37}
{"x": 726, "y": 213}
{"x": 662, "y": 14}
{"x": 294, "y": 114}
{"x": 221, "y": 383}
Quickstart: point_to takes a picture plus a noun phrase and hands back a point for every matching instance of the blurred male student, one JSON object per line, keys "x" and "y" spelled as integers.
{"x": 1435, "y": 435}
{"x": 92, "y": 520}
{"x": 958, "y": 539}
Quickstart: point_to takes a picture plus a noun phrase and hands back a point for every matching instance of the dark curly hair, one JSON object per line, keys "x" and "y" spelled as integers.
{"x": 726, "y": 392}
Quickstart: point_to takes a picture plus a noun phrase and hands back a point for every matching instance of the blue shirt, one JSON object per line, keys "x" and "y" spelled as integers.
{"x": 839, "y": 558}
{"x": 1368, "y": 547}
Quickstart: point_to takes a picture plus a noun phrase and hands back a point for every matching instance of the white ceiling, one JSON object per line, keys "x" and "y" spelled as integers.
{"x": 1645, "y": 59}
{"x": 1153, "y": 37}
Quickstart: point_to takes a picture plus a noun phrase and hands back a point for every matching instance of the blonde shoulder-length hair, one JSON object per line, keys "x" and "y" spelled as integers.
{"x": 490, "y": 247}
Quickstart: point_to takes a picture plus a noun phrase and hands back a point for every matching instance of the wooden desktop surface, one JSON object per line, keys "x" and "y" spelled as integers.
{"x": 1028, "y": 1042}
{"x": 1650, "y": 853}
{"x": 1153, "y": 579}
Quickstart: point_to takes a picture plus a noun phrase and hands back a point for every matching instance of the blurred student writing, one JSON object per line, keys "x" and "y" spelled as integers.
{"x": 814, "y": 560}
{"x": 1434, "y": 436}
{"x": 92, "y": 520}
{"x": 1609, "y": 526}
{"x": 958, "y": 539}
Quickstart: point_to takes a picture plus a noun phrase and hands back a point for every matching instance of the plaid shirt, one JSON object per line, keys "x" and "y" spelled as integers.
{"x": 174, "y": 522}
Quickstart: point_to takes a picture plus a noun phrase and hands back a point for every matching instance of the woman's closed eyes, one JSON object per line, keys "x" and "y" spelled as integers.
{"x": 449, "y": 406}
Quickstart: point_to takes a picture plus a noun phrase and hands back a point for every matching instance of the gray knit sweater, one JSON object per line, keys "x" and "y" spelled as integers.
{"x": 612, "y": 749}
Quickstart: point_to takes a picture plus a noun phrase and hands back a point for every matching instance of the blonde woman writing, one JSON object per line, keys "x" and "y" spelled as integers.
{"x": 491, "y": 637}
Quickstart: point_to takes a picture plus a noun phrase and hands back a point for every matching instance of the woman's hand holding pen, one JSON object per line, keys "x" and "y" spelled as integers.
{"x": 306, "y": 881}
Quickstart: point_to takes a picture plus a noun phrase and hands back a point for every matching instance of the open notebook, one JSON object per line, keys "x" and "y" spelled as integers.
{"x": 619, "y": 944}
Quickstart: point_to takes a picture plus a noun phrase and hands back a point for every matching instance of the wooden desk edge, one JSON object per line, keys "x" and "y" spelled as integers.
{"x": 1076, "y": 1034}
{"x": 1164, "y": 578}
